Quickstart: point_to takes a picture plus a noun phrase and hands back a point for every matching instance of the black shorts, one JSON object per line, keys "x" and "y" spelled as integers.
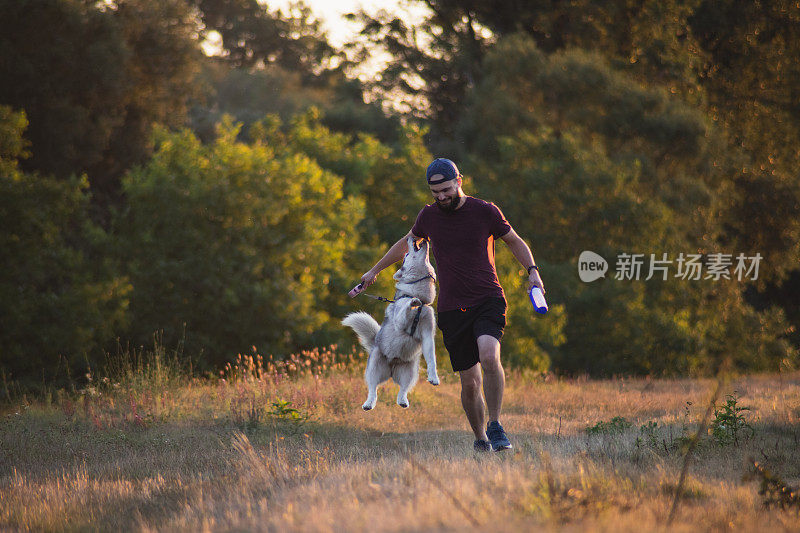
{"x": 462, "y": 327}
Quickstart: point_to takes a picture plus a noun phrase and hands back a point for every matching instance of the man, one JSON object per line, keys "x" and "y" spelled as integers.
{"x": 471, "y": 305}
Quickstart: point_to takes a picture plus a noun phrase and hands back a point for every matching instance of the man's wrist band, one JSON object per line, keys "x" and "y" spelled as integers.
{"x": 532, "y": 267}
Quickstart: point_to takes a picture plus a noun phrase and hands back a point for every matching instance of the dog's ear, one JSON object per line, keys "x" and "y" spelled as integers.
{"x": 416, "y": 302}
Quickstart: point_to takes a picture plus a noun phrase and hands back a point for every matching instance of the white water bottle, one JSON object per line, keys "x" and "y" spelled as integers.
{"x": 537, "y": 299}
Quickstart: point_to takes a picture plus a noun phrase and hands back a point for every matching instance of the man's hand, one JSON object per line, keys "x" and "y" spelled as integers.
{"x": 368, "y": 279}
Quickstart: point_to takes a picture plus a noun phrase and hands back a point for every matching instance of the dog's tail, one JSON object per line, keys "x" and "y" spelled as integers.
{"x": 365, "y": 327}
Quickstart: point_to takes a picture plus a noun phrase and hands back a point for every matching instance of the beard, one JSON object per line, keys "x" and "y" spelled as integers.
{"x": 451, "y": 205}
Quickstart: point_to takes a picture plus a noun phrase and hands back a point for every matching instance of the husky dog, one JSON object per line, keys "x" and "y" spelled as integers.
{"x": 408, "y": 329}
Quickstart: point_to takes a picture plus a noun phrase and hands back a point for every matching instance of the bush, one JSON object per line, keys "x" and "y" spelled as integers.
{"x": 59, "y": 295}
{"x": 235, "y": 245}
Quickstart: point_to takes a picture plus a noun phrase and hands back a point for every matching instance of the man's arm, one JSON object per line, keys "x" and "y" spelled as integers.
{"x": 395, "y": 254}
{"x": 523, "y": 254}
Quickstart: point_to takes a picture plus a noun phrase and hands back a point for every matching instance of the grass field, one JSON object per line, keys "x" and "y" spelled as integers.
{"x": 150, "y": 448}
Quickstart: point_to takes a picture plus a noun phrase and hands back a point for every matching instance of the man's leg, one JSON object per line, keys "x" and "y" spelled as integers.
{"x": 472, "y": 400}
{"x": 494, "y": 379}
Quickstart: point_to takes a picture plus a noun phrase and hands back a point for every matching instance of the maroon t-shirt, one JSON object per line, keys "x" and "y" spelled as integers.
{"x": 462, "y": 242}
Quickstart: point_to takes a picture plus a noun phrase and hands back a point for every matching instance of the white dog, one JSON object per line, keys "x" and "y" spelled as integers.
{"x": 408, "y": 328}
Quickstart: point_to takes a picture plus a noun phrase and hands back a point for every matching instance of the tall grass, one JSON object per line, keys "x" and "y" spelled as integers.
{"x": 156, "y": 369}
{"x": 284, "y": 445}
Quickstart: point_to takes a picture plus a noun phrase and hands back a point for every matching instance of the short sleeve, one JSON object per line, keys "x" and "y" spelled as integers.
{"x": 420, "y": 228}
{"x": 498, "y": 224}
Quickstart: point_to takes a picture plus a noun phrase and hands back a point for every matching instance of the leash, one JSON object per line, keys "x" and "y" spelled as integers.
{"x": 360, "y": 287}
{"x": 381, "y": 298}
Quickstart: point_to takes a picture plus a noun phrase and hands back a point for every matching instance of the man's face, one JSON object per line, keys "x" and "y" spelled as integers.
{"x": 446, "y": 194}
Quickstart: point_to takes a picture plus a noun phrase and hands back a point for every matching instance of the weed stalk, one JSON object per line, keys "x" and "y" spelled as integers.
{"x": 692, "y": 445}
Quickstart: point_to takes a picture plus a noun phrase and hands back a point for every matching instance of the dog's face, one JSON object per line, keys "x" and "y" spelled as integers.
{"x": 416, "y": 263}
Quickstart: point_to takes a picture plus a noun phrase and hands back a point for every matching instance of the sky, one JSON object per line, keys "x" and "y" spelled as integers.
{"x": 340, "y": 30}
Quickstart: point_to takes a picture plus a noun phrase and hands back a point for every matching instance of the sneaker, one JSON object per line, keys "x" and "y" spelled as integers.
{"x": 482, "y": 446}
{"x": 497, "y": 436}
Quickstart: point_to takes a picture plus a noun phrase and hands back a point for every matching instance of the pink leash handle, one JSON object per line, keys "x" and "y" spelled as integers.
{"x": 355, "y": 291}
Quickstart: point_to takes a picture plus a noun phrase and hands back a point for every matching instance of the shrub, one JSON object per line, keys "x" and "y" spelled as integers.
{"x": 615, "y": 426}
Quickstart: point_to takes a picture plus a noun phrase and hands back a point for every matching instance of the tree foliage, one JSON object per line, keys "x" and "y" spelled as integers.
{"x": 59, "y": 293}
{"x": 593, "y": 161}
{"x": 280, "y": 62}
{"x": 161, "y": 40}
{"x": 234, "y": 245}
{"x": 734, "y": 62}
{"x": 13, "y": 145}
{"x": 93, "y": 78}
{"x": 752, "y": 82}
{"x": 250, "y": 94}
{"x": 254, "y": 36}
{"x": 386, "y": 176}
{"x": 62, "y": 65}
{"x": 618, "y": 127}
{"x": 431, "y": 67}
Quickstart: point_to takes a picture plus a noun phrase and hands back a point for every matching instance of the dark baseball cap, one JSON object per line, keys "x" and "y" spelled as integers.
{"x": 442, "y": 166}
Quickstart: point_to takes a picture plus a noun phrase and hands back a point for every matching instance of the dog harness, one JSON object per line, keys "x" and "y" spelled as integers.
{"x": 416, "y": 321}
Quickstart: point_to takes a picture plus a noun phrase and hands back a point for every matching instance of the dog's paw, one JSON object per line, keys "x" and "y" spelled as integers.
{"x": 402, "y": 404}
{"x": 433, "y": 380}
{"x": 372, "y": 399}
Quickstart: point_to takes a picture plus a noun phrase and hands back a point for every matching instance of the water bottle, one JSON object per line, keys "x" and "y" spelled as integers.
{"x": 537, "y": 299}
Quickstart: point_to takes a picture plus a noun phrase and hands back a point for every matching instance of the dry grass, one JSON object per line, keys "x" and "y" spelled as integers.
{"x": 232, "y": 454}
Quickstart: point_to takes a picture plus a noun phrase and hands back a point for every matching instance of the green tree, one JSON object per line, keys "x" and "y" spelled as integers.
{"x": 752, "y": 81}
{"x": 649, "y": 38}
{"x": 163, "y": 60}
{"x": 436, "y": 64}
{"x": 388, "y": 176}
{"x": 13, "y": 145}
{"x": 93, "y": 77}
{"x": 250, "y": 94}
{"x": 236, "y": 245}
{"x": 734, "y": 62}
{"x": 581, "y": 157}
{"x": 62, "y": 64}
{"x": 59, "y": 295}
{"x": 737, "y": 62}
{"x": 432, "y": 65}
{"x": 254, "y": 36}
{"x": 280, "y": 62}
